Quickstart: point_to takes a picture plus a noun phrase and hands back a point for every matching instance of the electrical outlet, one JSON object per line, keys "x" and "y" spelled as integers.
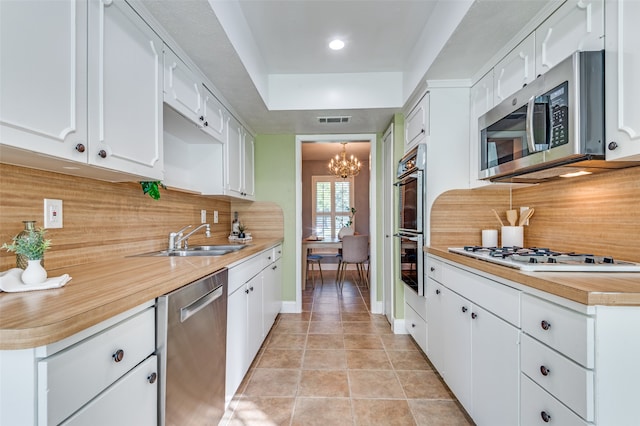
{"x": 215, "y": 216}
{"x": 203, "y": 216}
{"x": 52, "y": 213}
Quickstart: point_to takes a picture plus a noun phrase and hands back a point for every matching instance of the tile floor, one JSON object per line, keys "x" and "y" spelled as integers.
{"x": 337, "y": 364}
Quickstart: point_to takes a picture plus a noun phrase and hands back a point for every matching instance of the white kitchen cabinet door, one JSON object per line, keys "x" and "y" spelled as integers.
{"x": 272, "y": 295}
{"x": 417, "y": 124}
{"x": 212, "y": 115}
{"x": 125, "y": 91}
{"x": 481, "y": 101}
{"x": 132, "y": 400}
{"x": 578, "y": 25}
{"x": 255, "y": 317}
{"x": 495, "y": 369}
{"x": 182, "y": 88}
{"x": 515, "y": 70}
{"x": 457, "y": 346}
{"x": 248, "y": 165}
{"x": 237, "y": 318}
{"x": 43, "y": 51}
{"x": 235, "y": 138}
{"x": 622, "y": 62}
{"x": 435, "y": 325}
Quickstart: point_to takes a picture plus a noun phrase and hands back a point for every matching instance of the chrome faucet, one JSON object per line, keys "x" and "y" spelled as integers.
{"x": 176, "y": 238}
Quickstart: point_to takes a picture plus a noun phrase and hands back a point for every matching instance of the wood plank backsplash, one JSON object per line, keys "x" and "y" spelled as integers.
{"x": 102, "y": 220}
{"x": 597, "y": 214}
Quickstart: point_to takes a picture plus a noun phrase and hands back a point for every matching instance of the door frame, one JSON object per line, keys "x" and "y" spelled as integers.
{"x": 376, "y": 307}
{"x": 388, "y": 270}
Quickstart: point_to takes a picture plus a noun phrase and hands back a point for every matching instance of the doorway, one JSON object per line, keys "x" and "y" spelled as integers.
{"x": 333, "y": 141}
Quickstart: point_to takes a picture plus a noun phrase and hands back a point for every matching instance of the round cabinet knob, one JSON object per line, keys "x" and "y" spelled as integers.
{"x": 206, "y": 124}
{"x": 464, "y": 309}
{"x": 545, "y": 417}
{"x": 474, "y": 315}
{"x": 202, "y": 118}
{"x": 151, "y": 378}
{"x": 544, "y": 370}
{"x": 432, "y": 269}
{"x": 545, "y": 325}
{"x": 102, "y": 153}
{"x": 437, "y": 291}
{"x": 247, "y": 291}
{"x": 413, "y": 325}
{"x": 251, "y": 288}
{"x": 80, "y": 147}
{"x": 274, "y": 268}
{"x": 118, "y": 355}
{"x": 612, "y": 146}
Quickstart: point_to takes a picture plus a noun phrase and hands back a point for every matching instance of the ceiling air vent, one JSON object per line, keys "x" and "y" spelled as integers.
{"x": 331, "y": 120}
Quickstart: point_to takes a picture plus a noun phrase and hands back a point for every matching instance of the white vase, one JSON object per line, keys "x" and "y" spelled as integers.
{"x": 346, "y": 230}
{"x": 35, "y": 273}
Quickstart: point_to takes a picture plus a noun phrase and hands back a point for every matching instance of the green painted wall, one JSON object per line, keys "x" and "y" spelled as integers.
{"x": 275, "y": 172}
{"x": 398, "y": 152}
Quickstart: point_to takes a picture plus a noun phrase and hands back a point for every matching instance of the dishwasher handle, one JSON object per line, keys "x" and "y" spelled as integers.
{"x": 201, "y": 303}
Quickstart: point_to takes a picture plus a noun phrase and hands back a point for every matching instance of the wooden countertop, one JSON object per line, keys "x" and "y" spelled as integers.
{"x": 101, "y": 290}
{"x": 589, "y": 288}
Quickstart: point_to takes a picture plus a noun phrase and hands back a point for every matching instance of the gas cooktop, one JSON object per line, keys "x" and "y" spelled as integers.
{"x": 537, "y": 259}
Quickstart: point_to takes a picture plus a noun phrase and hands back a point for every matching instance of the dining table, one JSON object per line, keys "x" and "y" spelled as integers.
{"x": 315, "y": 243}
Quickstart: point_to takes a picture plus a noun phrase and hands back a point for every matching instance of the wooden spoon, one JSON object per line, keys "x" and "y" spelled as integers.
{"x": 512, "y": 217}
{"x": 498, "y": 217}
{"x": 525, "y": 216}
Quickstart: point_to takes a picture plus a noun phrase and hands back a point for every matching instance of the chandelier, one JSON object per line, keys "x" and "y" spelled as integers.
{"x": 343, "y": 167}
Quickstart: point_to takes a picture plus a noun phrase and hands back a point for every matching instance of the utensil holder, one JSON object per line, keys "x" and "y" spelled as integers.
{"x": 512, "y": 236}
{"x": 489, "y": 238}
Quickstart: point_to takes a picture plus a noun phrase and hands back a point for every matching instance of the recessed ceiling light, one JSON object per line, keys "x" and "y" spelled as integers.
{"x": 336, "y": 44}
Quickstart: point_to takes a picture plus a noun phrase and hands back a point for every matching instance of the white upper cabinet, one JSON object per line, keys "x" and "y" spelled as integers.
{"x": 125, "y": 91}
{"x": 81, "y": 81}
{"x": 240, "y": 161}
{"x": 417, "y": 124}
{"x": 622, "y": 93}
{"x": 212, "y": 119}
{"x": 182, "y": 88}
{"x": 515, "y": 70}
{"x": 44, "y": 107}
{"x": 578, "y": 25}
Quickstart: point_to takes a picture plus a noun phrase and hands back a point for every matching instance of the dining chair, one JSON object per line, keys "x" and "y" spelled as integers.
{"x": 314, "y": 259}
{"x": 355, "y": 250}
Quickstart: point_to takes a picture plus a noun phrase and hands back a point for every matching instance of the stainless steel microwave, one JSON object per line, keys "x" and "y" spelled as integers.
{"x": 553, "y": 125}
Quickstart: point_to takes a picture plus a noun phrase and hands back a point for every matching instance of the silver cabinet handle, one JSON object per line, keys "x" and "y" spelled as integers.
{"x": 201, "y": 303}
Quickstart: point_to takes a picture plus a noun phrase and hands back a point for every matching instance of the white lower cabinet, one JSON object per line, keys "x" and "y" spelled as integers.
{"x": 131, "y": 400}
{"x": 251, "y": 312}
{"x": 539, "y": 408}
{"x": 415, "y": 315}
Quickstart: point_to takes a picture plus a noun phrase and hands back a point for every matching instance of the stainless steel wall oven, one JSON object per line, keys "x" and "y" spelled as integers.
{"x": 411, "y": 195}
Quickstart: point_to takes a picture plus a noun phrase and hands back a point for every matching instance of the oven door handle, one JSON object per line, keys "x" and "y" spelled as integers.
{"x": 403, "y": 180}
{"x": 415, "y": 238}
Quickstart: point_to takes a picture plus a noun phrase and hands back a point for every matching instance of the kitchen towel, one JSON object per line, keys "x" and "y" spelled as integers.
{"x": 11, "y": 282}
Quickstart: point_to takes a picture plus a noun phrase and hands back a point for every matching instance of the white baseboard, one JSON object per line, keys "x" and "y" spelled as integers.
{"x": 377, "y": 308}
{"x": 399, "y": 327}
{"x": 289, "y": 307}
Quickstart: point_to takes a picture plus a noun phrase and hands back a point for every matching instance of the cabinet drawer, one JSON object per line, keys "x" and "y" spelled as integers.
{"x": 534, "y": 401}
{"x": 434, "y": 269}
{"x": 416, "y": 326}
{"x": 567, "y": 331}
{"x": 417, "y": 303}
{"x": 132, "y": 400}
{"x": 277, "y": 252}
{"x": 497, "y": 298}
{"x": 569, "y": 382}
{"x": 71, "y": 378}
{"x": 244, "y": 271}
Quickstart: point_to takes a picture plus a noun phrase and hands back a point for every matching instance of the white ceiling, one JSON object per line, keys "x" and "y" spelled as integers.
{"x": 245, "y": 44}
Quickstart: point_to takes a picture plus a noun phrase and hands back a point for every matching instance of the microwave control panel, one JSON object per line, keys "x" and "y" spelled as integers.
{"x": 559, "y": 117}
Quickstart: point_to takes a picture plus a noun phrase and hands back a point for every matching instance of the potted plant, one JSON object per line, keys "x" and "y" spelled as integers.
{"x": 241, "y": 229}
{"x": 32, "y": 246}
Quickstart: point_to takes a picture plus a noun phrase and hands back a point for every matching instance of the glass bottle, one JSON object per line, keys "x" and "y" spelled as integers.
{"x": 235, "y": 225}
{"x": 22, "y": 260}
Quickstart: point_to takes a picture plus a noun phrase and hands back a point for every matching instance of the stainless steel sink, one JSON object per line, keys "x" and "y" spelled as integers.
{"x": 214, "y": 250}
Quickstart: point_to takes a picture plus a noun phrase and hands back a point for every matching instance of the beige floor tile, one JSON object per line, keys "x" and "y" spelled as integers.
{"x": 408, "y": 360}
{"x": 306, "y": 307}
{"x": 257, "y": 411}
{"x": 325, "y": 341}
{"x": 359, "y": 327}
{"x": 399, "y": 342}
{"x": 368, "y": 360}
{"x": 374, "y": 384}
{"x": 438, "y": 413}
{"x": 273, "y": 382}
{"x": 326, "y": 307}
{"x": 287, "y": 341}
{"x": 423, "y": 385}
{"x": 303, "y": 316}
{"x": 325, "y": 327}
{"x": 357, "y": 316}
{"x": 354, "y": 308}
{"x": 297, "y": 327}
{"x": 281, "y": 358}
{"x": 325, "y": 316}
{"x": 324, "y": 383}
{"x": 322, "y": 412}
{"x": 382, "y": 412}
{"x": 365, "y": 341}
{"x": 333, "y": 359}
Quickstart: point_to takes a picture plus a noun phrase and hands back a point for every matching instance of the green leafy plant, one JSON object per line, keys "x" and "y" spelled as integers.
{"x": 353, "y": 213}
{"x": 152, "y": 188}
{"x": 32, "y": 247}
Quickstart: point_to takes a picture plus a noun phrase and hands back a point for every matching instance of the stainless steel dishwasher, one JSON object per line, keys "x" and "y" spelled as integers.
{"x": 192, "y": 345}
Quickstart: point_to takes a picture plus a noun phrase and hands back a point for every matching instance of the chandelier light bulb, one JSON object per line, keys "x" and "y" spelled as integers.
{"x": 343, "y": 168}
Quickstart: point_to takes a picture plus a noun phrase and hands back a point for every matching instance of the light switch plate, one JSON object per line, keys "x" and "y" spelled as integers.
{"x": 203, "y": 216}
{"x": 215, "y": 216}
{"x": 52, "y": 213}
